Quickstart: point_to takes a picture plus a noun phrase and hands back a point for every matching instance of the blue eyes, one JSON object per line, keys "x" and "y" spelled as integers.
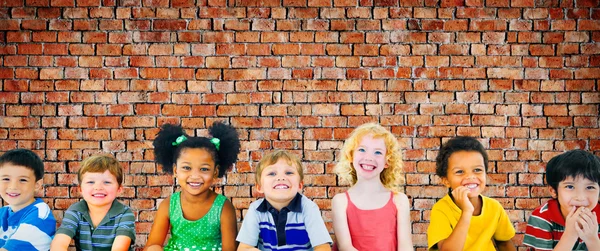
{"x": 362, "y": 150}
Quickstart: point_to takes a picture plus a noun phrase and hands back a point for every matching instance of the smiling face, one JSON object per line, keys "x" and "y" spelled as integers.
{"x": 195, "y": 171}
{"x": 280, "y": 182}
{"x": 369, "y": 157}
{"x": 99, "y": 189}
{"x": 466, "y": 168}
{"x": 17, "y": 186}
{"x": 577, "y": 192}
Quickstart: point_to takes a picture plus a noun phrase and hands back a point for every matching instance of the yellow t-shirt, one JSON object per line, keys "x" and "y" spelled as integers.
{"x": 492, "y": 224}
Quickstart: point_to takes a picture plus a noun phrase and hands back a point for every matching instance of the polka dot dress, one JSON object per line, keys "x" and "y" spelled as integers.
{"x": 201, "y": 235}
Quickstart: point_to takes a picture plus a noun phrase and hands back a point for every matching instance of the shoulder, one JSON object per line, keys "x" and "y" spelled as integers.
{"x": 492, "y": 203}
{"x": 308, "y": 204}
{"x": 78, "y": 207}
{"x": 254, "y": 205}
{"x": 339, "y": 202}
{"x": 340, "y": 199}
{"x": 442, "y": 204}
{"x": 41, "y": 210}
{"x": 544, "y": 211}
{"x": 400, "y": 199}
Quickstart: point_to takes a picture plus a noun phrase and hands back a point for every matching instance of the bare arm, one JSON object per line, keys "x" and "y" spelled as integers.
{"x": 59, "y": 243}
{"x": 339, "y": 204}
{"x": 228, "y": 227}
{"x": 323, "y": 247}
{"x": 404, "y": 224}
{"x": 160, "y": 228}
{"x": 246, "y": 247}
{"x": 506, "y": 245}
{"x": 458, "y": 237}
{"x": 121, "y": 243}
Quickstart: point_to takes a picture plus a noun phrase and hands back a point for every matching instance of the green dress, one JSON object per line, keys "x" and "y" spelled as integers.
{"x": 202, "y": 235}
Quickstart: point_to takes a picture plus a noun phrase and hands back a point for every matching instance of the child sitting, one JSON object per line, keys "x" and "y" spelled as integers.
{"x": 284, "y": 219}
{"x": 569, "y": 221}
{"x": 464, "y": 219}
{"x": 99, "y": 221}
{"x": 371, "y": 213}
{"x": 198, "y": 217}
{"x": 26, "y": 223}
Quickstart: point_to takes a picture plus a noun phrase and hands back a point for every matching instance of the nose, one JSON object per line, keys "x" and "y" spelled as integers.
{"x": 97, "y": 185}
{"x": 12, "y": 184}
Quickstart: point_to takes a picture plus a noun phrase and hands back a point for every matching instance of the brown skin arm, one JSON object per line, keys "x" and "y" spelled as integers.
{"x": 506, "y": 245}
{"x": 160, "y": 227}
{"x": 228, "y": 227}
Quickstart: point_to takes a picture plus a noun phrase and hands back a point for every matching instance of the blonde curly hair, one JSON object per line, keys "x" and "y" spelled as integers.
{"x": 391, "y": 177}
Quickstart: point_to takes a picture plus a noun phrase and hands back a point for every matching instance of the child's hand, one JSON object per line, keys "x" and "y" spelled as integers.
{"x": 587, "y": 227}
{"x": 571, "y": 222}
{"x": 461, "y": 199}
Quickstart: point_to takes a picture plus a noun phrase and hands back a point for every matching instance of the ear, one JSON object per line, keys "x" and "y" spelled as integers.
{"x": 446, "y": 182}
{"x": 216, "y": 172}
{"x": 39, "y": 184}
{"x": 553, "y": 193}
{"x": 120, "y": 189}
{"x": 174, "y": 169}
{"x": 301, "y": 185}
{"x": 259, "y": 188}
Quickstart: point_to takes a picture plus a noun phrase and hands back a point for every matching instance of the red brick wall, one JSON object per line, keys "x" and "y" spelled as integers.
{"x": 85, "y": 76}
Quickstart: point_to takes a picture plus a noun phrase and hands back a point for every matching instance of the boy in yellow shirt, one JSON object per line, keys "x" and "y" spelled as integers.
{"x": 464, "y": 219}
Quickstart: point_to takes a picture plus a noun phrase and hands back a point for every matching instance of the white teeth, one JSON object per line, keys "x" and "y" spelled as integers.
{"x": 368, "y": 167}
{"x": 471, "y": 186}
{"x": 99, "y": 195}
{"x": 194, "y": 184}
{"x": 281, "y": 187}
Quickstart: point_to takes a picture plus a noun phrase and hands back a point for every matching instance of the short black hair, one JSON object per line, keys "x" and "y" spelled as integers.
{"x": 25, "y": 158}
{"x": 166, "y": 154}
{"x": 574, "y": 163}
{"x": 458, "y": 144}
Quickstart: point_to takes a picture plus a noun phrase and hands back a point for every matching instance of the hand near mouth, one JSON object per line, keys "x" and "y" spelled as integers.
{"x": 571, "y": 223}
{"x": 461, "y": 198}
{"x": 587, "y": 226}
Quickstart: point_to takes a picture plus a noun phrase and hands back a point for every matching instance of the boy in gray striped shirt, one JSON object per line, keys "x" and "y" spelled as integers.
{"x": 98, "y": 222}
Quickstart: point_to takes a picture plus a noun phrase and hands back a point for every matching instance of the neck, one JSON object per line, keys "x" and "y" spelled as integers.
{"x": 200, "y": 198}
{"x": 477, "y": 203}
{"x": 372, "y": 185}
{"x": 102, "y": 210}
{"x": 279, "y": 204}
{"x": 16, "y": 209}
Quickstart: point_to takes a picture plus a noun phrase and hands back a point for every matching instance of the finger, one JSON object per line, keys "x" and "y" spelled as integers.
{"x": 579, "y": 231}
{"x": 571, "y": 212}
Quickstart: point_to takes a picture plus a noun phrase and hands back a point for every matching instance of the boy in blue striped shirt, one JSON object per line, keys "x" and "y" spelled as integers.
{"x": 284, "y": 219}
{"x": 26, "y": 223}
{"x": 99, "y": 221}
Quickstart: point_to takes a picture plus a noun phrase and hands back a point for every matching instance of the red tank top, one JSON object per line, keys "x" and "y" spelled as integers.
{"x": 374, "y": 229}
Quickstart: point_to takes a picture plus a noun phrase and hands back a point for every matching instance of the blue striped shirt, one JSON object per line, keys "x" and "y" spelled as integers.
{"x": 297, "y": 227}
{"x": 31, "y": 228}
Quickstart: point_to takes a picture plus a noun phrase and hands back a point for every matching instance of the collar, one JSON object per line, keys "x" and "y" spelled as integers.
{"x": 116, "y": 208}
{"x": 294, "y": 206}
{"x": 557, "y": 217}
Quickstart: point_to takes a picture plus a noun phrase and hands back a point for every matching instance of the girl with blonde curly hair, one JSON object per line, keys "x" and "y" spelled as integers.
{"x": 372, "y": 213}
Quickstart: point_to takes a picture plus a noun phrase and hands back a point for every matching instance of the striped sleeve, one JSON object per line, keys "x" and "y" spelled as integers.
{"x": 70, "y": 223}
{"x": 126, "y": 225}
{"x": 34, "y": 232}
{"x": 538, "y": 234}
